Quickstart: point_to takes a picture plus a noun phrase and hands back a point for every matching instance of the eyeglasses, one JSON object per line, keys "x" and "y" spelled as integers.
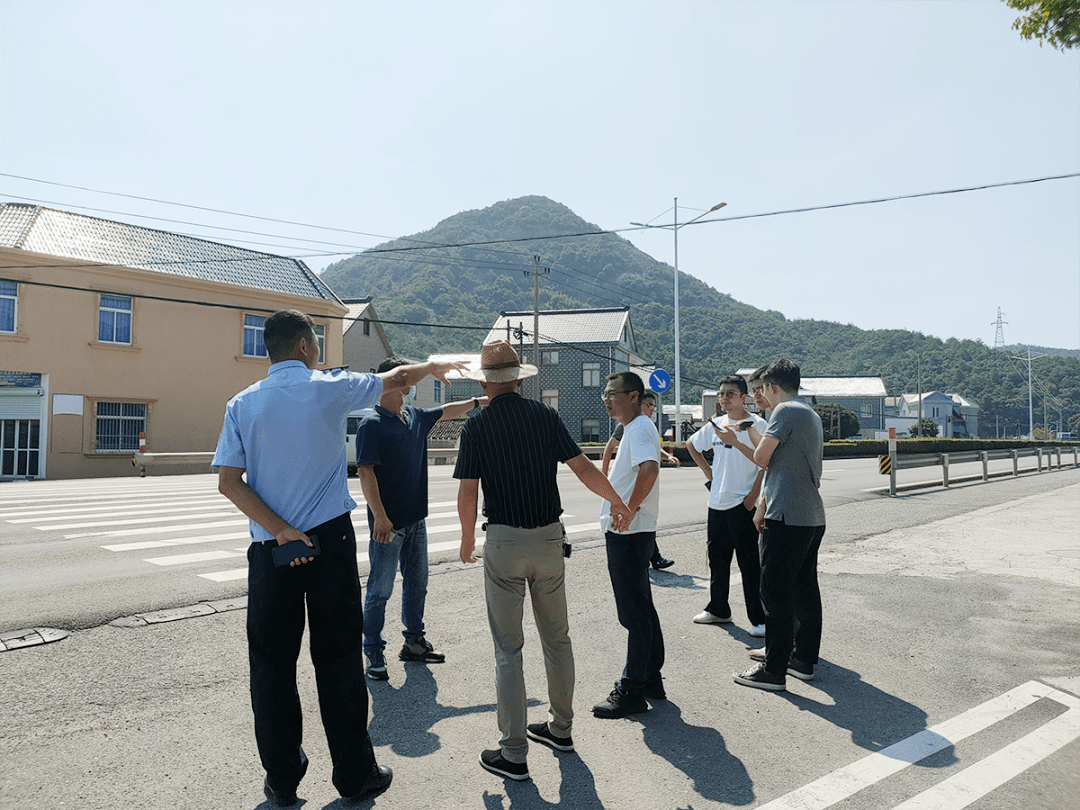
{"x": 610, "y": 394}
{"x": 729, "y": 394}
{"x": 757, "y": 389}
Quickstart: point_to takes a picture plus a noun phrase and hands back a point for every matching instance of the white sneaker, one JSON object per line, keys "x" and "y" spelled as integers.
{"x": 758, "y": 654}
{"x": 758, "y": 631}
{"x": 707, "y": 618}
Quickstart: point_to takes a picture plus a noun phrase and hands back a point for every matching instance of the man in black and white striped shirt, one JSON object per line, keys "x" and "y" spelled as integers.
{"x": 513, "y": 449}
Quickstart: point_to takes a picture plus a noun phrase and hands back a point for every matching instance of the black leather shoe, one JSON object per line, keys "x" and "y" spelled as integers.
{"x": 662, "y": 563}
{"x": 282, "y": 798}
{"x": 375, "y": 785}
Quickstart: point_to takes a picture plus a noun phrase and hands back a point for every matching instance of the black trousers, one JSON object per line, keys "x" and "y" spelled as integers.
{"x": 790, "y": 594}
{"x": 329, "y": 588}
{"x": 731, "y": 531}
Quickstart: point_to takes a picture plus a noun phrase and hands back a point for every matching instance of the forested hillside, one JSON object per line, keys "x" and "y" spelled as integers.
{"x": 467, "y": 269}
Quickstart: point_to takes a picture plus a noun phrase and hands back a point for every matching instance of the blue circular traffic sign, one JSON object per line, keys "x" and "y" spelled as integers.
{"x": 659, "y": 381}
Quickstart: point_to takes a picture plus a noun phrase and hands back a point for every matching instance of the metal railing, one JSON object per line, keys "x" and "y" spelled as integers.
{"x": 911, "y": 461}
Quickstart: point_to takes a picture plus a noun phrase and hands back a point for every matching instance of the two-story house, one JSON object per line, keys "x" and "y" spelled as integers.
{"x": 578, "y": 349}
{"x": 110, "y": 330}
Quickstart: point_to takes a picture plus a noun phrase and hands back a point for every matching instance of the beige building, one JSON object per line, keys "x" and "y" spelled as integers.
{"x": 109, "y": 330}
{"x": 364, "y": 343}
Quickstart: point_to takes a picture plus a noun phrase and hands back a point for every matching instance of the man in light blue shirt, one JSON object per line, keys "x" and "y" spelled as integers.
{"x": 281, "y": 460}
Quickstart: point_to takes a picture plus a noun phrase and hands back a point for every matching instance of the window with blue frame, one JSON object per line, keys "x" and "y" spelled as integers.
{"x": 438, "y": 391}
{"x": 114, "y": 319}
{"x": 9, "y": 306}
{"x": 253, "y": 336}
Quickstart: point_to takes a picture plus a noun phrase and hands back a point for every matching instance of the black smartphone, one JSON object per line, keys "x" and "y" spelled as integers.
{"x": 284, "y": 555}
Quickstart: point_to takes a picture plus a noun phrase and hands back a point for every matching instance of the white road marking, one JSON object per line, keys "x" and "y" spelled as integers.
{"x": 161, "y": 519}
{"x": 178, "y": 541}
{"x": 988, "y": 774}
{"x": 202, "y": 556}
{"x": 158, "y": 529}
{"x": 100, "y": 506}
{"x": 847, "y": 781}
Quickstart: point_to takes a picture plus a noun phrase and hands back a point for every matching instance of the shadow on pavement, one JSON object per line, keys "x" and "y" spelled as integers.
{"x": 577, "y": 790}
{"x": 699, "y": 752}
{"x": 669, "y": 579}
{"x": 875, "y": 718}
{"x": 403, "y": 716}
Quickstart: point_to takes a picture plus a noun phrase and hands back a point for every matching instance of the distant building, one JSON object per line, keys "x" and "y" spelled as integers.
{"x": 863, "y": 396}
{"x": 109, "y": 330}
{"x": 955, "y": 416}
{"x": 363, "y": 344}
{"x": 578, "y": 349}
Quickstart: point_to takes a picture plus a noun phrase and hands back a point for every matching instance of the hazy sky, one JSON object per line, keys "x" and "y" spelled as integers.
{"x": 381, "y": 119}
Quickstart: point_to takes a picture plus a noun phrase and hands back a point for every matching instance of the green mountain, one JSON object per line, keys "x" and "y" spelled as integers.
{"x": 456, "y": 277}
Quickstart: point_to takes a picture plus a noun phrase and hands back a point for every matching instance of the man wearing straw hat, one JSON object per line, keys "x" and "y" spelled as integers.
{"x": 512, "y": 448}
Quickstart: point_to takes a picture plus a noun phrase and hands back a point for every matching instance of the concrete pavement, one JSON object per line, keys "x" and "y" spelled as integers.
{"x": 934, "y": 603}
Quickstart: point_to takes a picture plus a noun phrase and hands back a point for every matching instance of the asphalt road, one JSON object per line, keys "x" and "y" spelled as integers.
{"x": 948, "y": 679}
{"x": 77, "y": 554}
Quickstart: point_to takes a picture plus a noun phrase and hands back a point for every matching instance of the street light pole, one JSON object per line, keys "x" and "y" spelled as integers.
{"x": 676, "y": 433}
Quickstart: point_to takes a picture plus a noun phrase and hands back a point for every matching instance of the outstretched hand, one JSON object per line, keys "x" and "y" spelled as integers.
{"x": 440, "y": 370}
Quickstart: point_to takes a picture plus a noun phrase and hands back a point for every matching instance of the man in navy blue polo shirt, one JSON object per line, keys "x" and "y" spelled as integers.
{"x": 391, "y": 460}
{"x": 281, "y": 460}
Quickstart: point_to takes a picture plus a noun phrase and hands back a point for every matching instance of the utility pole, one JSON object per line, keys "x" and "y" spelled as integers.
{"x": 536, "y": 320}
{"x": 1031, "y": 411}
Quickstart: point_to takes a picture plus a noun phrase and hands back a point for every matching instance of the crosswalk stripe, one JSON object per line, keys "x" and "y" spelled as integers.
{"x": 992, "y": 772}
{"x": 128, "y": 522}
{"x": 178, "y": 541}
{"x": 60, "y": 511}
{"x": 844, "y": 782}
{"x": 158, "y": 529}
{"x": 201, "y": 556}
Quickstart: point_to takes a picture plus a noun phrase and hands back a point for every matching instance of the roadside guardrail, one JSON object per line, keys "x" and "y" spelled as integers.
{"x": 907, "y": 461}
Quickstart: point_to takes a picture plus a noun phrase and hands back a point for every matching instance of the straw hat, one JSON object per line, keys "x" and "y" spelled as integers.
{"x": 499, "y": 363}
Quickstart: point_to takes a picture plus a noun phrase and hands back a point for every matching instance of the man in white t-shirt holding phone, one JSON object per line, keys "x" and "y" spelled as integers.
{"x": 734, "y": 484}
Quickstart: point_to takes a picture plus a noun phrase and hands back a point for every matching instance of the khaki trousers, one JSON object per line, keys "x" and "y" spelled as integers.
{"x": 515, "y": 557}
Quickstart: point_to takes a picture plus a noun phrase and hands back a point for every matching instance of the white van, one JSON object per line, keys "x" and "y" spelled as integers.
{"x": 350, "y": 439}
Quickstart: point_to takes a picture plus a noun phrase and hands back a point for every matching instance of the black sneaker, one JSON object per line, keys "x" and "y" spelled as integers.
{"x": 620, "y": 703}
{"x": 495, "y": 762}
{"x": 662, "y": 563}
{"x": 376, "y": 668}
{"x": 282, "y": 798}
{"x": 375, "y": 785}
{"x": 654, "y": 690}
{"x": 758, "y": 678}
{"x": 799, "y": 669}
{"x": 542, "y": 734}
{"x": 420, "y": 649}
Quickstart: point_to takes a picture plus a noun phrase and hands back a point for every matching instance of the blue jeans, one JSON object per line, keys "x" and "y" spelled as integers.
{"x": 407, "y": 550}
{"x": 329, "y": 589}
{"x": 628, "y": 567}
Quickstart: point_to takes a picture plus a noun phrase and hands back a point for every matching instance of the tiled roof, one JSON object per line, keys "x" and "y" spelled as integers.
{"x": 567, "y": 326}
{"x": 75, "y": 236}
{"x": 357, "y": 310}
{"x": 844, "y": 386}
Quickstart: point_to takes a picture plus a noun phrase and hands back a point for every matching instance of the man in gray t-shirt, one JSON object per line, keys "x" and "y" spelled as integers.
{"x": 791, "y": 518}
